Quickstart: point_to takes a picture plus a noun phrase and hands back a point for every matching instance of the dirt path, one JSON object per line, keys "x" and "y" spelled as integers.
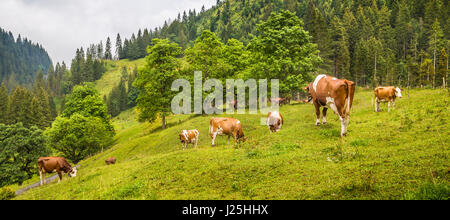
{"x": 34, "y": 185}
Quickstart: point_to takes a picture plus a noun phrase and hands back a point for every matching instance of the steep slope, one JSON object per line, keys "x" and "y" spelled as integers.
{"x": 113, "y": 73}
{"x": 396, "y": 155}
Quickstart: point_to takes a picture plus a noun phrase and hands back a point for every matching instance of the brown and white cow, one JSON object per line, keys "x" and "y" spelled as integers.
{"x": 55, "y": 164}
{"x": 280, "y": 101}
{"x": 111, "y": 160}
{"x": 226, "y": 126}
{"x": 386, "y": 94}
{"x": 274, "y": 121}
{"x": 189, "y": 137}
{"x": 331, "y": 92}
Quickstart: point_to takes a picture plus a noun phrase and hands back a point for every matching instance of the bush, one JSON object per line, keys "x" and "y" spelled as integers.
{"x": 6, "y": 193}
{"x": 78, "y": 136}
{"x": 20, "y": 147}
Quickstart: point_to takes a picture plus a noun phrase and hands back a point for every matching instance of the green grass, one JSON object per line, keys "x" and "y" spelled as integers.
{"x": 113, "y": 73}
{"x": 402, "y": 154}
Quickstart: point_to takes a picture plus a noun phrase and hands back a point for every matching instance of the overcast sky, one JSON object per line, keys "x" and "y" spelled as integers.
{"x": 62, "y": 26}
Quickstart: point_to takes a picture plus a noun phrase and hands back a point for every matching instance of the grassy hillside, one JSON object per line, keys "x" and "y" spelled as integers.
{"x": 402, "y": 154}
{"x": 113, "y": 73}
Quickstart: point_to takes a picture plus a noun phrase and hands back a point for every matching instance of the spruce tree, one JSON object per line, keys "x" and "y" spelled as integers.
{"x": 108, "y": 54}
{"x": 119, "y": 47}
{"x": 3, "y": 104}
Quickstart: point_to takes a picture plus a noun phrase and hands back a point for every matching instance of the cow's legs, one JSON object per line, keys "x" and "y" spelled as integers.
{"x": 376, "y": 105}
{"x": 42, "y": 175}
{"x": 389, "y": 106}
{"x": 317, "y": 115}
{"x": 228, "y": 141}
{"x": 213, "y": 138}
{"x": 324, "y": 115}
{"x": 60, "y": 176}
{"x": 393, "y": 105}
{"x": 344, "y": 124}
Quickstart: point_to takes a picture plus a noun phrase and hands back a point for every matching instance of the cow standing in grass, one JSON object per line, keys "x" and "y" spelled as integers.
{"x": 55, "y": 164}
{"x": 189, "y": 137}
{"x": 330, "y": 92}
{"x": 111, "y": 160}
{"x": 386, "y": 94}
{"x": 226, "y": 126}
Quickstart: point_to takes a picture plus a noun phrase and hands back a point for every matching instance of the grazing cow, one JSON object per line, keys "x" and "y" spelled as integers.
{"x": 226, "y": 126}
{"x": 55, "y": 164}
{"x": 274, "y": 121}
{"x": 189, "y": 137}
{"x": 330, "y": 92}
{"x": 111, "y": 160}
{"x": 278, "y": 101}
{"x": 386, "y": 94}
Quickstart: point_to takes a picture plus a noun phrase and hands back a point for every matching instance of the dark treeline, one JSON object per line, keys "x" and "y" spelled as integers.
{"x": 123, "y": 96}
{"x": 373, "y": 42}
{"x": 20, "y": 59}
{"x": 29, "y": 107}
{"x": 86, "y": 67}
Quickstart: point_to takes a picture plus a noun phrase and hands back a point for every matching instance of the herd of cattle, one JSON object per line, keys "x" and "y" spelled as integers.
{"x": 326, "y": 91}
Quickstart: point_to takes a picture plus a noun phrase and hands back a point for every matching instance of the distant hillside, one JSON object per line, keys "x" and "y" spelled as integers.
{"x": 20, "y": 59}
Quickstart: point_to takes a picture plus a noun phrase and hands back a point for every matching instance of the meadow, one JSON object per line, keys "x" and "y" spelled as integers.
{"x": 402, "y": 154}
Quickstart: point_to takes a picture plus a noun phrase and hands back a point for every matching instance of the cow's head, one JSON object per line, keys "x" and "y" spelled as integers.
{"x": 72, "y": 172}
{"x": 308, "y": 92}
{"x": 274, "y": 126}
{"x": 398, "y": 92}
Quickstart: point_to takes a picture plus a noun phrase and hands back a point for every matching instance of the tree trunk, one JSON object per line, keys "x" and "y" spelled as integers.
{"x": 434, "y": 63}
{"x": 375, "y": 72}
{"x": 163, "y": 121}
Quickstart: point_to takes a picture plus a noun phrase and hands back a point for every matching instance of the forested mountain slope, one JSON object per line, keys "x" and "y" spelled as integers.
{"x": 20, "y": 59}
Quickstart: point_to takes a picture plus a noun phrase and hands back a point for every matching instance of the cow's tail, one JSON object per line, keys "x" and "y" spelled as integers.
{"x": 210, "y": 126}
{"x": 349, "y": 99}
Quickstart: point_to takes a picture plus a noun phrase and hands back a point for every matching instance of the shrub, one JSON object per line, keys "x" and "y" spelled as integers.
{"x": 6, "y": 193}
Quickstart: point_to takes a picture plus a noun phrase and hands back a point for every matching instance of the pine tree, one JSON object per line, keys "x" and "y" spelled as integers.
{"x": 341, "y": 54}
{"x": 19, "y": 107}
{"x": 3, "y": 104}
{"x": 442, "y": 69}
{"x": 436, "y": 42}
{"x": 108, "y": 54}
{"x": 118, "y": 47}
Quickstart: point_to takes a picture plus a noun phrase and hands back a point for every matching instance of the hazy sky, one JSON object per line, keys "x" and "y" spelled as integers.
{"x": 62, "y": 26}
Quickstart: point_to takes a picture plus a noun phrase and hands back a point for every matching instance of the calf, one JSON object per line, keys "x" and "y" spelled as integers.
{"x": 274, "y": 121}
{"x": 226, "y": 126}
{"x": 386, "y": 94}
{"x": 330, "y": 92}
{"x": 55, "y": 164}
{"x": 189, "y": 137}
{"x": 111, "y": 160}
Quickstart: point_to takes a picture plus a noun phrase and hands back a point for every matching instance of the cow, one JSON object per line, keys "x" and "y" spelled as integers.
{"x": 386, "y": 94}
{"x": 226, "y": 126}
{"x": 278, "y": 101}
{"x": 189, "y": 137}
{"x": 233, "y": 104}
{"x": 330, "y": 92}
{"x": 111, "y": 160}
{"x": 274, "y": 121}
{"x": 55, "y": 164}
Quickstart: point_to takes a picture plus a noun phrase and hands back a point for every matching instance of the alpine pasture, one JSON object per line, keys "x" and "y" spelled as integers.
{"x": 402, "y": 154}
